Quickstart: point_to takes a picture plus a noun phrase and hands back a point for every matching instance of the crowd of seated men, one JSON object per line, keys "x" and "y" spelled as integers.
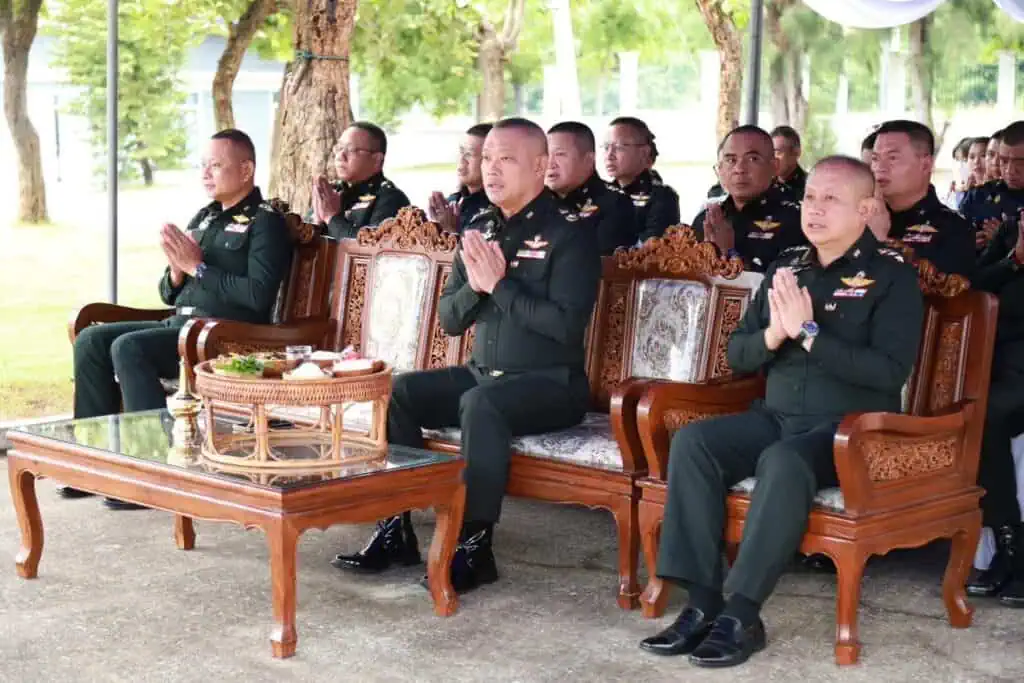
{"x": 534, "y": 217}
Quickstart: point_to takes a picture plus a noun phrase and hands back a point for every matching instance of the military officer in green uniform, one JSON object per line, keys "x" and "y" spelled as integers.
{"x": 835, "y": 326}
{"x": 1002, "y": 199}
{"x": 603, "y": 210}
{"x": 527, "y": 279}
{"x": 455, "y": 211}
{"x": 228, "y": 263}
{"x": 1001, "y": 272}
{"x": 629, "y": 154}
{"x": 759, "y": 218}
{"x": 363, "y": 197}
{"x": 902, "y": 160}
{"x": 792, "y": 178}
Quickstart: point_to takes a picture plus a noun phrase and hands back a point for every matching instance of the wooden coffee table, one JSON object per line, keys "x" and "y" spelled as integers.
{"x": 131, "y": 457}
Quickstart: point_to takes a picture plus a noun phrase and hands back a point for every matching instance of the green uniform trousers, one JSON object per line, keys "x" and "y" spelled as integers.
{"x": 791, "y": 458}
{"x": 138, "y": 354}
{"x": 490, "y": 411}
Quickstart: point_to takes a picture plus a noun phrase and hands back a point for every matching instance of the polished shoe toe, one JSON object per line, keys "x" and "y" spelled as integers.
{"x": 69, "y": 493}
{"x": 682, "y": 637}
{"x": 1012, "y": 594}
{"x": 729, "y": 643}
{"x": 116, "y": 504}
{"x": 394, "y": 542}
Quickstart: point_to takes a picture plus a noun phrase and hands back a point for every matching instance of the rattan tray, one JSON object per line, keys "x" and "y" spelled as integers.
{"x": 322, "y": 444}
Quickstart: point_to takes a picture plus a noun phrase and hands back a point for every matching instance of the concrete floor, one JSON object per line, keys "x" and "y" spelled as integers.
{"x": 115, "y": 601}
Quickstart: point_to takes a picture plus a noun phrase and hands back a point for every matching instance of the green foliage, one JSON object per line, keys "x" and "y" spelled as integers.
{"x": 410, "y": 52}
{"x": 274, "y": 41}
{"x": 819, "y": 140}
{"x": 153, "y": 37}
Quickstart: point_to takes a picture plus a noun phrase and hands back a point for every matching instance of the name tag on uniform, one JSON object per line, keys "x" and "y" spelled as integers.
{"x": 236, "y": 227}
{"x": 918, "y": 237}
{"x": 852, "y": 293}
{"x": 531, "y": 253}
{"x": 758, "y": 235}
{"x": 358, "y": 206}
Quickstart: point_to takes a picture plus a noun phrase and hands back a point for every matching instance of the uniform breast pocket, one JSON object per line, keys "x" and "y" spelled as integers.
{"x": 531, "y": 272}
{"x": 849, "y": 317}
{"x": 233, "y": 241}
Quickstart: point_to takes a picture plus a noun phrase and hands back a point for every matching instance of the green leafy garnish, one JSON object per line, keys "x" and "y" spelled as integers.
{"x": 242, "y": 365}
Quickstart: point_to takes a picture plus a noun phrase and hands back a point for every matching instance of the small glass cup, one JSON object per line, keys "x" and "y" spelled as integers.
{"x": 298, "y": 352}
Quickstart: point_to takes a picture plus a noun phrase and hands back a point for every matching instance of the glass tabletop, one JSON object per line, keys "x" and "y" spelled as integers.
{"x": 149, "y": 436}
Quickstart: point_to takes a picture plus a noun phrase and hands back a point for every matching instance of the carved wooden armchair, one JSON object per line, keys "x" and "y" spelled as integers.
{"x": 904, "y": 479}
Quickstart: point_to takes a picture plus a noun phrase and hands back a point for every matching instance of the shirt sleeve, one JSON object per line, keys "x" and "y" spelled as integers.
{"x": 572, "y": 287}
{"x": 747, "y": 352}
{"x": 886, "y": 361}
{"x": 662, "y": 212}
{"x": 459, "y": 303}
{"x": 387, "y": 206}
{"x": 168, "y": 292}
{"x": 270, "y": 254}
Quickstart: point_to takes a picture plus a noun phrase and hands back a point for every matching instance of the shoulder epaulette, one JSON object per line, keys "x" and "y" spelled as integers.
{"x": 798, "y": 249}
{"x": 892, "y": 253}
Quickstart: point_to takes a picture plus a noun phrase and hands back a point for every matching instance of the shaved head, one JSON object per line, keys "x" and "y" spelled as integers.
{"x": 861, "y": 177}
{"x": 515, "y": 159}
{"x": 532, "y": 134}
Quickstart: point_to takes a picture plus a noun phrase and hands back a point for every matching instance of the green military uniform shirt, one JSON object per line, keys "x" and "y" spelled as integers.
{"x": 1000, "y": 274}
{"x": 537, "y": 316}
{"x": 763, "y": 228}
{"x": 604, "y": 210}
{"x": 247, "y": 251}
{"x": 937, "y": 233}
{"x": 869, "y": 310}
{"x": 655, "y": 205}
{"x": 365, "y": 204}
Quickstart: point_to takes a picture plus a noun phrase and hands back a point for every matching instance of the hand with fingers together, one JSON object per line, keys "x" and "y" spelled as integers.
{"x": 182, "y": 251}
{"x": 791, "y": 301}
{"x": 484, "y": 260}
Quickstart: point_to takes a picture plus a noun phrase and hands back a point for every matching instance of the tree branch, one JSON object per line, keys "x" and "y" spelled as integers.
{"x": 515, "y": 16}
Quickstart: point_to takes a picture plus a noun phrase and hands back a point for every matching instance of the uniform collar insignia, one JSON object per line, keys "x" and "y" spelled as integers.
{"x": 536, "y": 243}
{"x": 858, "y": 281}
{"x": 529, "y": 215}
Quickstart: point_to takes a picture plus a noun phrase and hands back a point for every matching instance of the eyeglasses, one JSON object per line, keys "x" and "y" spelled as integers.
{"x": 349, "y": 150}
{"x": 620, "y": 147}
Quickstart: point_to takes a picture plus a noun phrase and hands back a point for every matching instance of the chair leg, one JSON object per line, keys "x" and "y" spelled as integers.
{"x": 627, "y": 525}
{"x": 961, "y": 554}
{"x": 850, "y": 569}
{"x": 654, "y": 599}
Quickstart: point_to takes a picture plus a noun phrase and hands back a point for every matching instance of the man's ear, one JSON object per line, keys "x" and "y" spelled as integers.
{"x": 248, "y": 169}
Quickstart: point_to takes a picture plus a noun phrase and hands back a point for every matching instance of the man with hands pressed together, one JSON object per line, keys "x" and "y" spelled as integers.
{"x": 835, "y": 328}
{"x": 527, "y": 279}
{"x": 363, "y": 197}
{"x": 455, "y": 211}
{"x": 229, "y": 263}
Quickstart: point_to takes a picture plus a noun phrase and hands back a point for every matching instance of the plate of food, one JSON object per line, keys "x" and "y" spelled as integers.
{"x": 354, "y": 367}
{"x": 245, "y": 367}
{"x": 307, "y": 371}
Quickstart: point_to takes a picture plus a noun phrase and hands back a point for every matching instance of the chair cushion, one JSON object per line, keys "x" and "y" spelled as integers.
{"x": 669, "y": 329}
{"x": 396, "y": 308}
{"x": 830, "y": 498}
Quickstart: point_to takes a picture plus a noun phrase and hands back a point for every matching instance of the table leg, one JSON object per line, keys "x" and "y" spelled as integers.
{"x": 442, "y": 548}
{"x": 23, "y": 492}
{"x": 184, "y": 533}
{"x": 283, "y": 541}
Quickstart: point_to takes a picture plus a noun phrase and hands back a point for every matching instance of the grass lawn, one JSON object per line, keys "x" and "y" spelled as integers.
{"x": 47, "y": 272}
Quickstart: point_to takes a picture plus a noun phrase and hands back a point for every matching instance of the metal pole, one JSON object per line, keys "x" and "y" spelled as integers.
{"x": 753, "y": 94}
{"x": 112, "y": 143}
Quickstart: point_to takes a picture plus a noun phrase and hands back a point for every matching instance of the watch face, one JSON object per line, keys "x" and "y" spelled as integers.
{"x": 810, "y": 328}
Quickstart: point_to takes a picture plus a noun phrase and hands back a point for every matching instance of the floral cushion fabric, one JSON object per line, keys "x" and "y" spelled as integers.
{"x": 669, "y": 329}
{"x": 396, "y": 308}
{"x": 831, "y": 498}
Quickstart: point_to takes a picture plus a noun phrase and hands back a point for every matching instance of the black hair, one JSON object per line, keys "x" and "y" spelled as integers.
{"x": 920, "y": 135}
{"x": 745, "y": 130}
{"x": 869, "y": 141}
{"x": 376, "y": 133}
{"x": 240, "y": 140}
{"x": 640, "y": 128}
{"x": 787, "y": 132}
{"x": 580, "y": 132}
{"x": 479, "y": 130}
{"x": 1013, "y": 134}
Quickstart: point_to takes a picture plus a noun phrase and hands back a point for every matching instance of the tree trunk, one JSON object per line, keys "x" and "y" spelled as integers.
{"x": 785, "y": 73}
{"x": 147, "y": 171}
{"x": 726, "y": 37}
{"x": 275, "y": 136}
{"x": 491, "y": 58}
{"x": 314, "y": 107}
{"x": 19, "y": 30}
{"x": 240, "y": 35}
{"x": 920, "y": 73}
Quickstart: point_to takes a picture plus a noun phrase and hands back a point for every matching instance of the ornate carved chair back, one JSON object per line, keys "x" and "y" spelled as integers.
{"x": 665, "y": 310}
{"x": 387, "y": 287}
{"x": 304, "y": 293}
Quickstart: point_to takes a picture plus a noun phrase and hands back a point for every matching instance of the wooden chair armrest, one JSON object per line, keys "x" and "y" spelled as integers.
{"x": 885, "y": 461}
{"x": 101, "y": 312}
{"x": 223, "y": 336}
{"x": 622, "y": 414}
{"x": 666, "y": 406}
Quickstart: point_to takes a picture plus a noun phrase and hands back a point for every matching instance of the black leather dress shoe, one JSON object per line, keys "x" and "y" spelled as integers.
{"x": 988, "y": 583}
{"x": 115, "y": 504}
{"x": 1012, "y": 594}
{"x": 681, "y": 638}
{"x": 473, "y": 564}
{"x": 393, "y": 542}
{"x": 69, "y": 493}
{"x": 729, "y": 644}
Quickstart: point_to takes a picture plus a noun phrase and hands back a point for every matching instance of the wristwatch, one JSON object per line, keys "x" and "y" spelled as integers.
{"x": 809, "y": 330}
{"x": 200, "y": 269}
{"x": 732, "y": 252}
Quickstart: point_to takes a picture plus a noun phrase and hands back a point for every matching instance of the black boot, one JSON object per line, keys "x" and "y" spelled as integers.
{"x": 988, "y": 583}
{"x": 69, "y": 493}
{"x": 393, "y": 541}
{"x": 1012, "y": 593}
{"x": 473, "y": 564}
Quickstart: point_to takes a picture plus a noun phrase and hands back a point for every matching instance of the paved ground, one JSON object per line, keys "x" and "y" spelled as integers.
{"x": 115, "y": 601}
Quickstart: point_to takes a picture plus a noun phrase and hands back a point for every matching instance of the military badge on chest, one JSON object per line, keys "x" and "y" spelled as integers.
{"x": 856, "y": 286}
{"x": 640, "y": 199}
{"x": 535, "y": 248}
{"x": 919, "y": 234}
{"x": 240, "y": 223}
{"x": 765, "y": 229}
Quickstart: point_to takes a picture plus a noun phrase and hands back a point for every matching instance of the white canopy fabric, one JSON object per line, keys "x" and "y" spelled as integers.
{"x": 887, "y": 13}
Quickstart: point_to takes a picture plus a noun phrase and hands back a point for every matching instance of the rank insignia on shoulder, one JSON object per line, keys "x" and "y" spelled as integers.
{"x": 571, "y": 217}
{"x": 240, "y": 218}
{"x": 267, "y": 206}
{"x": 767, "y": 225}
{"x": 536, "y": 243}
{"x": 891, "y": 253}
